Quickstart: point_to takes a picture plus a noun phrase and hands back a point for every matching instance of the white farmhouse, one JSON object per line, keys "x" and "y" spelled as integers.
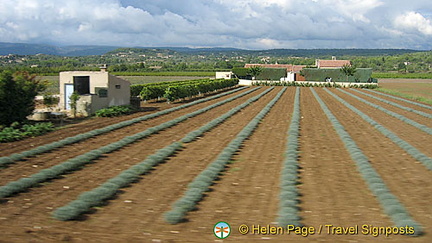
{"x": 97, "y": 90}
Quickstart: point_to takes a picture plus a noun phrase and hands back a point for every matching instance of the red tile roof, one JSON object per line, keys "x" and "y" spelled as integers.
{"x": 332, "y": 63}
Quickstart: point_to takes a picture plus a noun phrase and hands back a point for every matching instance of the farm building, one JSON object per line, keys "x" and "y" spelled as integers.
{"x": 291, "y": 71}
{"x": 323, "y": 71}
{"x": 97, "y": 90}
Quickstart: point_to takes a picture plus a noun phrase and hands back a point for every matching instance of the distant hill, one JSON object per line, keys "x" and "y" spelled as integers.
{"x": 33, "y": 49}
{"x": 89, "y": 50}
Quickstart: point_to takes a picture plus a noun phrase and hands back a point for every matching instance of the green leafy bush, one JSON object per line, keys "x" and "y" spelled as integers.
{"x": 14, "y": 133}
{"x": 115, "y": 111}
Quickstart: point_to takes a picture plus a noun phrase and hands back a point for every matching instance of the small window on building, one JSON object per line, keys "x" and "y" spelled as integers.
{"x": 118, "y": 86}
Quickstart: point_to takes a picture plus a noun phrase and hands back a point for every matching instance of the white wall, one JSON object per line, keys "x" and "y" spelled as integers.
{"x": 225, "y": 75}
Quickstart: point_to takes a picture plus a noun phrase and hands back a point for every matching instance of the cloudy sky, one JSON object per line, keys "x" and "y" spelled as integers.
{"x": 247, "y": 24}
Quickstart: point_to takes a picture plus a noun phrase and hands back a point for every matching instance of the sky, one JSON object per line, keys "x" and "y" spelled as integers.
{"x": 245, "y": 24}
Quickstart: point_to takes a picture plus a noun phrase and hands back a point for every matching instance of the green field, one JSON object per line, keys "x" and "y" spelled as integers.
{"x": 403, "y": 75}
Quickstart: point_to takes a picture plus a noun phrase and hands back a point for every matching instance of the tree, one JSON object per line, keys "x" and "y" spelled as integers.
{"x": 17, "y": 94}
{"x": 255, "y": 71}
{"x": 74, "y": 102}
{"x": 348, "y": 70}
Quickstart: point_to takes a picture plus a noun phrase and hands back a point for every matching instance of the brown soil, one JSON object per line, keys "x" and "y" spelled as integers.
{"x": 413, "y": 182}
{"x": 332, "y": 190}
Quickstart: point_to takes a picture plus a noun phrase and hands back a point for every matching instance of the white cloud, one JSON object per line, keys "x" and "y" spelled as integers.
{"x": 227, "y": 23}
{"x": 414, "y": 21}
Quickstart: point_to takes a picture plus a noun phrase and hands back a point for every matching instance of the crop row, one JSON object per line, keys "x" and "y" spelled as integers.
{"x": 390, "y": 204}
{"x": 288, "y": 199}
{"x": 175, "y": 92}
{"x": 405, "y": 100}
{"x": 411, "y": 150}
{"x": 393, "y": 114}
{"x": 311, "y": 84}
{"x": 201, "y": 183}
{"x": 76, "y": 163}
{"x": 107, "y": 190}
{"x": 81, "y": 137}
{"x": 184, "y": 89}
{"x": 396, "y": 104}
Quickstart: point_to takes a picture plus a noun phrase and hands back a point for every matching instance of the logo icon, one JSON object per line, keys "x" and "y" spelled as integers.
{"x": 222, "y": 230}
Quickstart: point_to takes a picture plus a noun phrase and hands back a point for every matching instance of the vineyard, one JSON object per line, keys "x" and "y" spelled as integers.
{"x": 302, "y": 156}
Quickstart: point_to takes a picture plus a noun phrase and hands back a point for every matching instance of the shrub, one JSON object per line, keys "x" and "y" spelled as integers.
{"x": 115, "y": 111}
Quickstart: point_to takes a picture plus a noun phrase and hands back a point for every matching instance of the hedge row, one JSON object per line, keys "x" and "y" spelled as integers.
{"x": 157, "y": 90}
{"x": 288, "y": 199}
{"x": 407, "y": 101}
{"x": 421, "y": 113}
{"x": 411, "y": 150}
{"x": 201, "y": 184}
{"x": 81, "y": 137}
{"x": 393, "y": 114}
{"x": 390, "y": 204}
{"x": 137, "y": 88}
{"x": 180, "y": 91}
{"x": 107, "y": 190}
{"x": 77, "y": 162}
{"x": 311, "y": 84}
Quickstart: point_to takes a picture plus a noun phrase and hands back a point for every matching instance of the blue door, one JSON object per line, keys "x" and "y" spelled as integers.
{"x": 69, "y": 89}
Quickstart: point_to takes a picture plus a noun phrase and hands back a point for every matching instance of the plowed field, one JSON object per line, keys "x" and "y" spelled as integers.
{"x": 332, "y": 190}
